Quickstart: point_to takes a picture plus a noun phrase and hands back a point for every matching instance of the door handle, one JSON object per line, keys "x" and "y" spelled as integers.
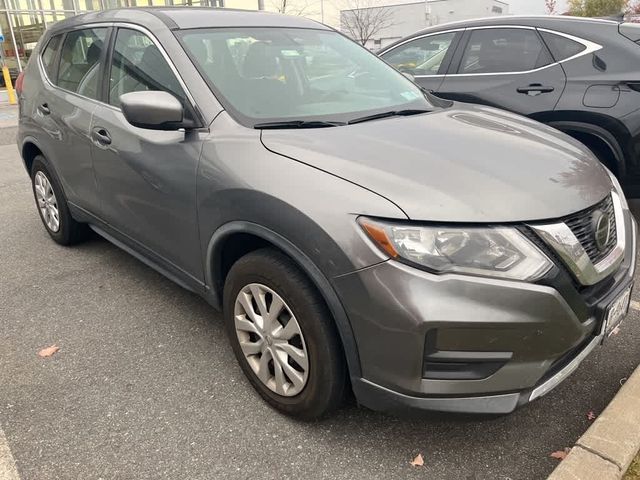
{"x": 44, "y": 109}
{"x": 101, "y": 136}
{"x": 535, "y": 89}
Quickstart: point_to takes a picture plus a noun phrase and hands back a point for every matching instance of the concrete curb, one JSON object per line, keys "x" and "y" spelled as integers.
{"x": 608, "y": 447}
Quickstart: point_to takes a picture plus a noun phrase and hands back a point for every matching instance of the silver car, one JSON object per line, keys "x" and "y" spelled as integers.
{"x": 357, "y": 232}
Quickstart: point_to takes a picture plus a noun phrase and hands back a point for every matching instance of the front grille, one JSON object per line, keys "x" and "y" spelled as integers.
{"x": 581, "y": 224}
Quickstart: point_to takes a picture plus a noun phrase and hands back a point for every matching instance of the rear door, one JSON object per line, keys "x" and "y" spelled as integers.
{"x": 505, "y": 67}
{"x": 65, "y": 105}
{"x": 426, "y": 57}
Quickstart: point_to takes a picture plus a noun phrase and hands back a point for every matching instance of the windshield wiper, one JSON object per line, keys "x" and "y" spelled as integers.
{"x": 393, "y": 113}
{"x": 297, "y": 124}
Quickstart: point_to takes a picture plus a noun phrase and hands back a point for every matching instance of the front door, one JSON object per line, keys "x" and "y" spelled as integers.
{"x": 508, "y": 68}
{"x": 147, "y": 178}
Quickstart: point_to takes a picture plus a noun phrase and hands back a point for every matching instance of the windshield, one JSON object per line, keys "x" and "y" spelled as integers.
{"x": 266, "y": 75}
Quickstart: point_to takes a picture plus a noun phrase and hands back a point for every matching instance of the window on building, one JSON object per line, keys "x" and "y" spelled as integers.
{"x": 49, "y": 56}
{"x": 80, "y": 61}
{"x": 422, "y": 56}
{"x": 137, "y": 66}
{"x": 498, "y": 50}
{"x": 561, "y": 47}
{"x": 496, "y": 9}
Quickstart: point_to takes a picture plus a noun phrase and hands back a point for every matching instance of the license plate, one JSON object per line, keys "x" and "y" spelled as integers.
{"x": 616, "y": 313}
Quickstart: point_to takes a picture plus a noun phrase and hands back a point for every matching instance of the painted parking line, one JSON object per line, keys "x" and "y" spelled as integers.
{"x": 8, "y": 469}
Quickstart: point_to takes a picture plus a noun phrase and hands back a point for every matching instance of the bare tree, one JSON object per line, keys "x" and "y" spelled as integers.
{"x": 550, "y": 6}
{"x": 295, "y": 7}
{"x": 362, "y": 20}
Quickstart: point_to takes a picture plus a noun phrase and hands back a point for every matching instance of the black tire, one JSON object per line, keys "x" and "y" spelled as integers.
{"x": 70, "y": 231}
{"x": 326, "y": 381}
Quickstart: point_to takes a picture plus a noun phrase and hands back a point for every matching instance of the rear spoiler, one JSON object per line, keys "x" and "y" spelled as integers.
{"x": 630, "y": 30}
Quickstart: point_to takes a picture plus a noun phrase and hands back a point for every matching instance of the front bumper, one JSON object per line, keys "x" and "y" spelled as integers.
{"x": 542, "y": 332}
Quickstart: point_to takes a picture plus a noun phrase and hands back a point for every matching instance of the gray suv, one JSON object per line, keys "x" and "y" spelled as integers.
{"x": 357, "y": 232}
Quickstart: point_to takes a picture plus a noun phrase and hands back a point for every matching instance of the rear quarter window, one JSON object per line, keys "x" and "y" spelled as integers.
{"x": 49, "y": 55}
{"x": 562, "y": 47}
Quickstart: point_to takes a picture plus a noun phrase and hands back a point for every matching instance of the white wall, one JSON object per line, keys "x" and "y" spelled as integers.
{"x": 407, "y": 18}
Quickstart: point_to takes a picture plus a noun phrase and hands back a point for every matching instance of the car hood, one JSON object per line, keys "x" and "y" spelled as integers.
{"x": 465, "y": 163}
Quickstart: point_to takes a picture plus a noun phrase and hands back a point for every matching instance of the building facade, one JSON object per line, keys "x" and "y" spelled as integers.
{"x": 402, "y": 19}
{"x": 22, "y": 22}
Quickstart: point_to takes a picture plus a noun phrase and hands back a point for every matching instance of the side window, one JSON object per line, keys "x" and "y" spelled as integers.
{"x": 49, "y": 55}
{"x": 80, "y": 61}
{"x": 422, "y": 56}
{"x": 498, "y": 50}
{"x": 138, "y": 65}
{"x": 561, "y": 47}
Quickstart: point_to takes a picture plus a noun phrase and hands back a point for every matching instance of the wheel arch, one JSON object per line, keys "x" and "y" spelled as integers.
{"x": 241, "y": 237}
{"x": 29, "y": 151}
{"x": 602, "y": 134}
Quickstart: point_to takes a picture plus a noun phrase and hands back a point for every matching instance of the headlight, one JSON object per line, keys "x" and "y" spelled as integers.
{"x": 618, "y": 189}
{"x": 492, "y": 252}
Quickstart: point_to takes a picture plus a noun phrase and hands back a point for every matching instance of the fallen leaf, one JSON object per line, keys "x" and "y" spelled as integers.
{"x": 47, "y": 352}
{"x": 561, "y": 454}
{"x": 418, "y": 461}
{"x": 591, "y": 416}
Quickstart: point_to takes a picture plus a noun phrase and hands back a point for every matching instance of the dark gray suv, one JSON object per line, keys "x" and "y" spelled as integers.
{"x": 357, "y": 232}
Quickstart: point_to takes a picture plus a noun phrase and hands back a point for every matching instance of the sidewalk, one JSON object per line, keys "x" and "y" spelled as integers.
{"x": 8, "y": 123}
{"x": 609, "y": 446}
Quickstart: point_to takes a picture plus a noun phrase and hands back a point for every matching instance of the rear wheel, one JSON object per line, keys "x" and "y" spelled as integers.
{"x": 283, "y": 335}
{"x": 52, "y": 206}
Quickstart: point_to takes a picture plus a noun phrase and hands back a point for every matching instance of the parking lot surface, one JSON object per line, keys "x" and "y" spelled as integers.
{"x": 145, "y": 385}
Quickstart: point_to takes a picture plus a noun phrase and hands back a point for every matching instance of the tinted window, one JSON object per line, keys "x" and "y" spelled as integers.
{"x": 79, "y": 61}
{"x": 422, "y": 56}
{"x": 561, "y": 47}
{"x": 495, "y": 50}
{"x": 277, "y": 74}
{"x": 49, "y": 55}
{"x": 137, "y": 66}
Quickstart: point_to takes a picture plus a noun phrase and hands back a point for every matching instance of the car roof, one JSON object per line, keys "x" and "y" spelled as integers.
{"x": 544, "y": 21}
{"x": 177, "y": 18}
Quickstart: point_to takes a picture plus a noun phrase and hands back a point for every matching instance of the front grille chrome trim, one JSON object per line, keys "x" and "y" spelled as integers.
{"x": 567, "y": 246}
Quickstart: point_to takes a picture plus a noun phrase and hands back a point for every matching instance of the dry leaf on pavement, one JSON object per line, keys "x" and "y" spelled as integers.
{"x": 418, "y": 461}
{"x": 47, "y": 352}
{"x": 561, "y": 454}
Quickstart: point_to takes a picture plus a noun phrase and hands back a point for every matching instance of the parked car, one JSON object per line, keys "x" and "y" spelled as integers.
{"x": 356, "y": 231}
{"x": 575, "y": 74}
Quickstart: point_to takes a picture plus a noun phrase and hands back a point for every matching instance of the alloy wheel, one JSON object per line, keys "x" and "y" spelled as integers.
{"x": 47, "y": 202}
{"x": 271, "y": 339}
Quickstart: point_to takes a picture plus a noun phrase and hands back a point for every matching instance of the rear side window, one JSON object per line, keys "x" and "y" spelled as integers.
{"x": 138, "y": 65}
{"x": 503, "y": 50}
{"x": 562, "y": 47}
{"x": 49, "y": 56}
{"x": 80, "y": 61}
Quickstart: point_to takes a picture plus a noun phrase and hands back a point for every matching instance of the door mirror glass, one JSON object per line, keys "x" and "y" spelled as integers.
{"x": 153, "y": 110}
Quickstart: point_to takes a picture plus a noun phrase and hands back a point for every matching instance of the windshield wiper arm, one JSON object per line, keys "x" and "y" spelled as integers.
{"x": 393, "y": 113}
{"x": 297, "y": 124}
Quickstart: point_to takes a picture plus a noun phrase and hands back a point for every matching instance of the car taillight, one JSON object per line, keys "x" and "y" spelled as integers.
{"x": 19, "y": 82}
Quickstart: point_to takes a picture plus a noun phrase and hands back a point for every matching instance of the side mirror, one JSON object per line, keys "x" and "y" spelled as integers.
{"x": 154, "y": 110}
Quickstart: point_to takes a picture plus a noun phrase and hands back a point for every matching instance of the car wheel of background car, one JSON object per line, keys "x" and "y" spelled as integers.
{"x": 283, "y": 335}
{"x": 52, "y": 206}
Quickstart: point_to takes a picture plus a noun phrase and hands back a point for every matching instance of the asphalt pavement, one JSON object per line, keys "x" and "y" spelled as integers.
{"x": 145, "y": 385}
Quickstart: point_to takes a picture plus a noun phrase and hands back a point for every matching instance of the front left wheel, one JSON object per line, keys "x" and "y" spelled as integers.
{"x": 283, "y": 335}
